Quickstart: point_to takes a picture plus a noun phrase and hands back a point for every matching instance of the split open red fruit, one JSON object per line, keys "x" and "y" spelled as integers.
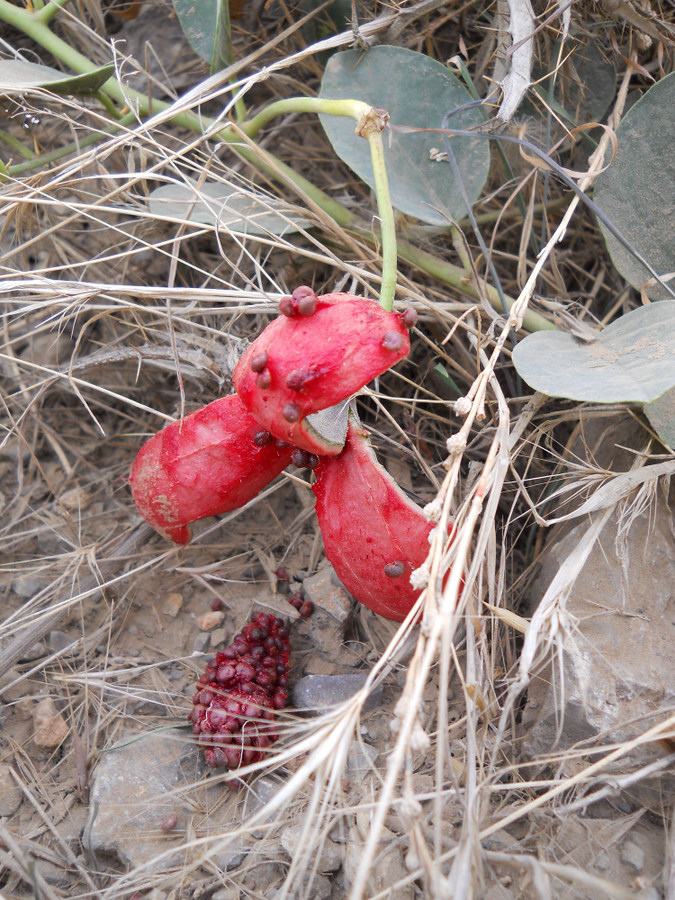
{"x": 210, "y": 462}
{"x": 316, "y": 355}
{"x": 373, "y": 535}
{"x": 236, "y": 698}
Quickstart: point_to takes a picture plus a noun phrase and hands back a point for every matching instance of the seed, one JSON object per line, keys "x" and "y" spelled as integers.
{"x": 394, "y": 569}
{"x": 281, "y": 445}
{"x": 303, "y": 292}
{"x": 286, "y": 307}
{"x": 392, "y": 340}
{"x": 305, "y": 300}
{"x": 290, "y": 412}
{"x": 297, "y": 379}
{"x": 169, "y": 822}
{"x": 217, "y": 604}
{"x": 259, "y": 361}
{"x": 299, "y": 458}
{"x": 263, "y": 379}
{"x": 306, "y": 609}
{"x": 262, "y": 438}
{"x": 312, "y": 460}
{"x": 409, "y": 318}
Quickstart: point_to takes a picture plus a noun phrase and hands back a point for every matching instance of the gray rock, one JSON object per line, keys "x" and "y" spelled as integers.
{"x": 619, "y": 666}
{"x": 332, "y": 607}
{"x": 329, "y": 853}
{"x": 318, "y": 692}
{"x": 10, "y": 793}
{"x": 202, "y": 642}
{"x": 326, "y": 592}
{"x": 131, "y": 796}
{"x": 58, "y": 640}
{"x": 27, "y": 586}
{"x": 361, "y": 760}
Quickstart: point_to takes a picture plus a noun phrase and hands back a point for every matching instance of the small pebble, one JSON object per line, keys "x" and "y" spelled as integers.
{"x": 58, "y": 640}
{"x": 202, "y": 642}
{"x": 210, "y": 620}
{"x": 172, "y": 605}
{"x": 32, "y": 653}
{"x": 10, "y": 793}
{"x": 633, "y": 855}
{"x": 49, "y": 727}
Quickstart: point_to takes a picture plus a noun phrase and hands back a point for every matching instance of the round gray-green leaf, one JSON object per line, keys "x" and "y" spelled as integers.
{"x": 631, "y": 361}
{"x": 222, "y": 207}
{"x": 637, "y": 192}
{"x": 661, "y": 414}
{"x": 17, "y": 76}
{"x": 417, "y": 92}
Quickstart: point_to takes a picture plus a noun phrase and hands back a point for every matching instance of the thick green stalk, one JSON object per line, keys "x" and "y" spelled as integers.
{"x": 387, "y": 223}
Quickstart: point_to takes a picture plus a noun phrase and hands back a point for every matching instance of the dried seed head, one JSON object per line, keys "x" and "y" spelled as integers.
{"x": 236, "y": 698}
{"x": 409, "y": 318}
{"x": 286, "y": 307}
{"x": 291, "y": 412}
{"x": 264, "y": 379}
{"x": 394, "y": 569}
{"x": 259, "y": 361}
{"x": 392, "y": 340}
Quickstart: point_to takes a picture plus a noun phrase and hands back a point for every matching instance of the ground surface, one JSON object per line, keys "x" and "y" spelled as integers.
{"x": 106, "y": 626}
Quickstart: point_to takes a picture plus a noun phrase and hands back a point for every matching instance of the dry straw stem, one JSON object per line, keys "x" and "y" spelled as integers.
{"x": 135, "y": 321}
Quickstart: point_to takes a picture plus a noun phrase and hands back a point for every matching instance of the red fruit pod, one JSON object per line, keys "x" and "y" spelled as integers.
{"x": 317, "y": 355}
{"x": 210, "y": 462}
{"x": 373, "y": 535}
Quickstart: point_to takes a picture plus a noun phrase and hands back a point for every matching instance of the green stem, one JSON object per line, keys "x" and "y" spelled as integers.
{"x": 16, "y": 145}
{"x": 353, "y": 108}
{"x": 47, "y": 13}
{"x": 387, "y": 223}
{"x": 457, "y": 278}
{"x": 43, "y": 159}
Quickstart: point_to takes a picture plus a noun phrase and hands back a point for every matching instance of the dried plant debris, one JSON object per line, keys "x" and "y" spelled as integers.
{"x": 514, "y": 740}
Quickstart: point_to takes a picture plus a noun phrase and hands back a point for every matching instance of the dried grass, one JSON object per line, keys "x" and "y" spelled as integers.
{"x": 115, "y": 321}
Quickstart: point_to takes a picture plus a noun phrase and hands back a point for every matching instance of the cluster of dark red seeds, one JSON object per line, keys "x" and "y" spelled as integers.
{"x": 240, "y": 692}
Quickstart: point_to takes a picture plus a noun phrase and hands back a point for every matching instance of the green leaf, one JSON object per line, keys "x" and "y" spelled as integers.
{"x": 631, "y": 361}
{"x": 417, "y": 92}
{"x": 636, "y": 191}
{"x": 20, "y": 77}
{"x": 584, "y": 87}
{"x": 222, "y": 43}
{"x": 199, "y": 21}
{"x": 661, "y": 414}
{"x": 222, "y": 207}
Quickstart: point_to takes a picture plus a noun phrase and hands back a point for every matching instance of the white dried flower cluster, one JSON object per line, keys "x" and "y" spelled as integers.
{"x": 433, "y": 510}
{"x": 456, "y": 444}
{"x": 419, "y": 739}
{"x": 432, "y": 535}
{"x": 419, "y": 578}
{"x": 462, "y": 406}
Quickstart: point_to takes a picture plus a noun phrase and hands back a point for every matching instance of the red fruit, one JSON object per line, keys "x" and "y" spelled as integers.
{"x": 373, "y": 535}
{"x": 317, "y": 354}
{"x": 210, "y": 462}
{"x": 236, "y": 698}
